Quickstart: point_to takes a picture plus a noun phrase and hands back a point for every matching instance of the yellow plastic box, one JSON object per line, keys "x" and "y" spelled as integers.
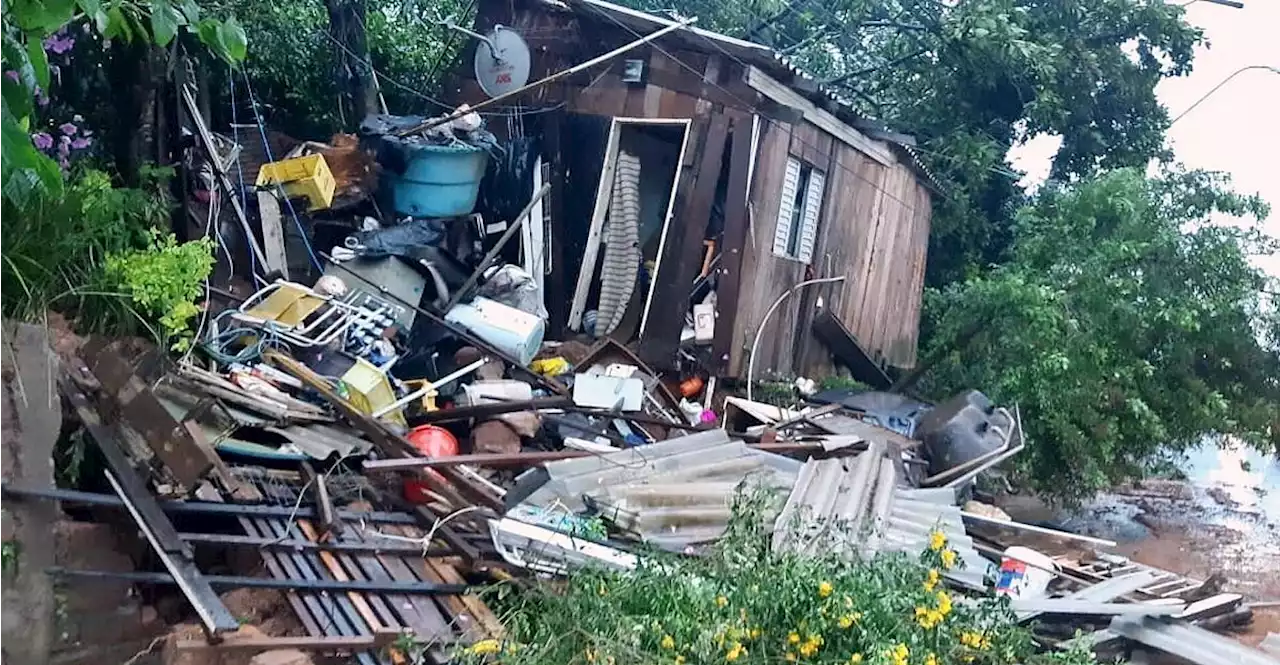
{"x": 307, "y": 176}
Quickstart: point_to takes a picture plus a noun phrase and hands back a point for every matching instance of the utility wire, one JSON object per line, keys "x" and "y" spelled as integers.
{"x": 1223, "y": 82}
{"x": 751, "y": 107}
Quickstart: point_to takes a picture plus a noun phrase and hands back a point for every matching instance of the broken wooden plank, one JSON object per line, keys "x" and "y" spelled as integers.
{"x": 142, "y": 411}
{"x": 1211, "y": 606}
{"x": 1006, "y": 524}
{"x": 252, "y": 645}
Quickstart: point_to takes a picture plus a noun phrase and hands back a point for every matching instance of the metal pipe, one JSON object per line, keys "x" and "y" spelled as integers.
{"x": 202, "y": 507}
{"x": 240, "y": 582}
{"x": 436, "y": 122}
{"x": 535, "y": 458}
{"x": 751, "y": 364}
{"x": 417, "y": 394}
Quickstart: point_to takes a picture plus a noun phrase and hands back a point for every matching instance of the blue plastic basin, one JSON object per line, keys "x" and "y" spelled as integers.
{"x": 439, "y": 181}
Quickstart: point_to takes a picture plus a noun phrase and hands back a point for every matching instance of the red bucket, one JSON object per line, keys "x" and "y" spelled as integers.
{"x": 429, "y": 441}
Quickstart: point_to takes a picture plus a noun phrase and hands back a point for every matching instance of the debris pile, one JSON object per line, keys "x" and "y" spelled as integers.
{"x": 394, "y": 428}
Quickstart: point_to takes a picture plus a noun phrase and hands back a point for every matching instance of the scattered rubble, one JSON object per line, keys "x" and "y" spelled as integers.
{"x": 422, "y": 404}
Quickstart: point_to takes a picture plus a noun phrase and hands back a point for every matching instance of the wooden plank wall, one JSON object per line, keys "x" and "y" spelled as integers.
{"x": 874, "y": 230}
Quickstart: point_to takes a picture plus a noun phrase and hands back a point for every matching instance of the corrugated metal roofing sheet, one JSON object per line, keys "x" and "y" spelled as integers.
{"x": 854, "y": 506}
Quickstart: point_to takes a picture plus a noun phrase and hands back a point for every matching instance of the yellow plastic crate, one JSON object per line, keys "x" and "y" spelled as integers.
{"x": 307, "y": 176}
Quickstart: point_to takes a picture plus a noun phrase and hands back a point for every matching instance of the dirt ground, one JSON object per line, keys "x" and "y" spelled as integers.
{"x": 1196, "y": 529}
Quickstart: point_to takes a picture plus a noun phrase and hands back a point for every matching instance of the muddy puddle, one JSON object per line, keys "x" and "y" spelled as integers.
{"x": 1224, "y": 518}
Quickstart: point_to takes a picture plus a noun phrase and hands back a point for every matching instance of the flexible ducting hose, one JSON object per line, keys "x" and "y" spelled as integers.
{"x": 622, "y": 245}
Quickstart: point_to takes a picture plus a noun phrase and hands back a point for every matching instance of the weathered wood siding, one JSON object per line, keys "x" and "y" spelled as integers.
{"x": 873, "y": 229}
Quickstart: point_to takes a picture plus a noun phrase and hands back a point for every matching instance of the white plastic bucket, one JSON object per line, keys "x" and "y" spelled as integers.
{"x": 1024, "y": 573}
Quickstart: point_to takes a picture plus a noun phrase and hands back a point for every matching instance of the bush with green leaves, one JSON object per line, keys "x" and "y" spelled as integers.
{"x": 744, "y": 603}
{"x": 1128, "y": 323}
{"x": 55, "y": 247}
{"x": 163, "y": 281}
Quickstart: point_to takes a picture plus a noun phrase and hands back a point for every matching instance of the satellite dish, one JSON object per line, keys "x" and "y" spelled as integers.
{"x": 502, "y": 62}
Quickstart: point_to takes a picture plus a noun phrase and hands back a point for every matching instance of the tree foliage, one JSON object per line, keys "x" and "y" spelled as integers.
{"x": 970, "y": 79}
{"x": 296, "y": 71}
{"x": 28, "y": 23}
{"x": 1124, "y": 324}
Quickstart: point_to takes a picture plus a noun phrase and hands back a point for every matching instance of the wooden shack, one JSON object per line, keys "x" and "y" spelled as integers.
{"x": 753, "y": 181}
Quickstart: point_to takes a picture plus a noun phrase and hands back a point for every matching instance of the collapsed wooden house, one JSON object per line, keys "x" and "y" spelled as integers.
{"x": 744, "y": 171}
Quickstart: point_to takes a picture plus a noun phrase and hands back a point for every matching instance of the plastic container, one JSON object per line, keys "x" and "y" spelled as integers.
{"x": 429, "y": 441}
{"x": 1019, "y": 579}
{"x": 517, "y": 332}
{"x": 439, "y": 180}
{"x": 369, "y": 390}
{"x": 307, "y": 177}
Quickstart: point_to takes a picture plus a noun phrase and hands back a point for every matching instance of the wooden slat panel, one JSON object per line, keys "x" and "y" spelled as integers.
{"x": 864, "y": 267}
{"x": 733, "y": 242}
{"x": 896, "y": 255}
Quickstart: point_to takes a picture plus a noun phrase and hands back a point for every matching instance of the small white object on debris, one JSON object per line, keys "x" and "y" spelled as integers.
{"x": 608, "y": 392}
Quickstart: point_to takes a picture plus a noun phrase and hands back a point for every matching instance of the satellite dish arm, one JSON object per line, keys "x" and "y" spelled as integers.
{"x": 449, "y": 23}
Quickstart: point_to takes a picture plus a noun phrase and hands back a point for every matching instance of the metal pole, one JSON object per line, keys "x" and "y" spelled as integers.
{"x": 436, "y": 122}
{"x": 492, "y": 254}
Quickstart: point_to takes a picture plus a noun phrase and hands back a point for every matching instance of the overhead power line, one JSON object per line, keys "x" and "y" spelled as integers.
{"x": 1223, "y": 82}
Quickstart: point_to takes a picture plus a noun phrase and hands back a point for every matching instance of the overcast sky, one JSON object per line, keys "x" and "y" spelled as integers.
{"x": 1237, "y": 129}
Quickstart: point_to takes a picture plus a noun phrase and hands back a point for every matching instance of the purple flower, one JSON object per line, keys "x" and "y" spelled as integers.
{"x": 13, "y": 76}
{"x": 59, "y": 43}
{"x": 41, "y": 98}
{"x": 67, "y": 128}
{"x": 64, "y": 163}
{"x": 80, "y": 144}
{"x": 42, "y": 140}
{"x": 64, "y": 149}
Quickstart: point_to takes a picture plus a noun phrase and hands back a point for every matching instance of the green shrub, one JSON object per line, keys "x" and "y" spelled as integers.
{"x": 164, "y": 280}
{"x": 746, "y": 604}
{"x": 54, "y": 248}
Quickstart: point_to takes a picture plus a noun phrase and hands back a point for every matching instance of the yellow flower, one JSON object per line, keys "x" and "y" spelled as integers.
{"x": 793, "y": 637}
{"x": 754, "y": 633}
{"x": 931, "y": 660}
{"x": 932, "y": 581}
{"x": 944, "y": 603}
{"x": 721, "y": 601}
{"x": 971, "y": 639}
{"x": 667, "y": 642}
{"x": 825, "y": 589}
{"x": 986, "y": 643}
{"x": 736, "y": 651}
{"x": 602, "y": 589}
{"x": 899, "y": 654}
{"x": 845, "y": 621}
{"x": 789, "y": 657}
{"x": 590, "y": 655}
{"x": 679, "y": 660}
{"x": 855, "y": 659}
{"x": 937, "y": 540}
{"x": 948, "y": 559}
{"x": 485, "y": 647}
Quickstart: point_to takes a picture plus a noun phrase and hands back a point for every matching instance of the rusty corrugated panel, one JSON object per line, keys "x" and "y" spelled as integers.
{"x": 143, "y": 412}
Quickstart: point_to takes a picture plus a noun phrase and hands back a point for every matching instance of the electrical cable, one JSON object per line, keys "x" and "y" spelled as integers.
{"x": 519, "y": 111}
{"x": 755, "y": 343}
{"x": 751, "y": 107}
{"x": 266, "y": 145}
{"x": 1207, "y": 95}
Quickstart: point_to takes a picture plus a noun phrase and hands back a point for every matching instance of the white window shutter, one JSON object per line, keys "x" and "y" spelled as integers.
{"x": 786, "y": 207}
{"x": 812, "y": 210}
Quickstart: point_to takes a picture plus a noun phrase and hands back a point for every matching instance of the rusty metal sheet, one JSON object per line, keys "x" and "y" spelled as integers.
{"x": 143, "y": 412}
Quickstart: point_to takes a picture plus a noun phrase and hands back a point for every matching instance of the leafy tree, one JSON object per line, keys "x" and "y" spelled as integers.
{"x": 970, "y": 79}
{"x": 28, "y": 23}
{"x": 304, "y": 77}
{"x": 1124, "y": 324}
